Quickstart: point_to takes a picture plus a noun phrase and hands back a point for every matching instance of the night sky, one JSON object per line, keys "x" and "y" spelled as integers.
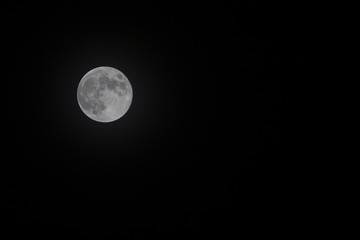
{"x": 200, "y": 150}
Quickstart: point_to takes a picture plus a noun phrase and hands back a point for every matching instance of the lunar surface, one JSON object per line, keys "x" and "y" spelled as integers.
{"x": 104, "y": 94}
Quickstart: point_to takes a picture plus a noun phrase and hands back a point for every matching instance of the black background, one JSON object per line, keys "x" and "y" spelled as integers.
{"x": 200, "y": 151}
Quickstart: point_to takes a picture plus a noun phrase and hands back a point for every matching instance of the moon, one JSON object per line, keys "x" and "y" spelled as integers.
{"x": 104, "y": 94}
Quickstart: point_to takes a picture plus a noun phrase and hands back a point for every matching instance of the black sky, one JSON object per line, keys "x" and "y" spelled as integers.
{"x": 196, "y": 155}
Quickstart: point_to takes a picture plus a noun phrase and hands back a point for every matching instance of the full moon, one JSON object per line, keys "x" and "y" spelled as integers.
{"x": 104, "y": 94}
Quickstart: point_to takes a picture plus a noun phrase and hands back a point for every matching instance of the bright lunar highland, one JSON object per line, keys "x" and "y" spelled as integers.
{"x": 104, "y": 94}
